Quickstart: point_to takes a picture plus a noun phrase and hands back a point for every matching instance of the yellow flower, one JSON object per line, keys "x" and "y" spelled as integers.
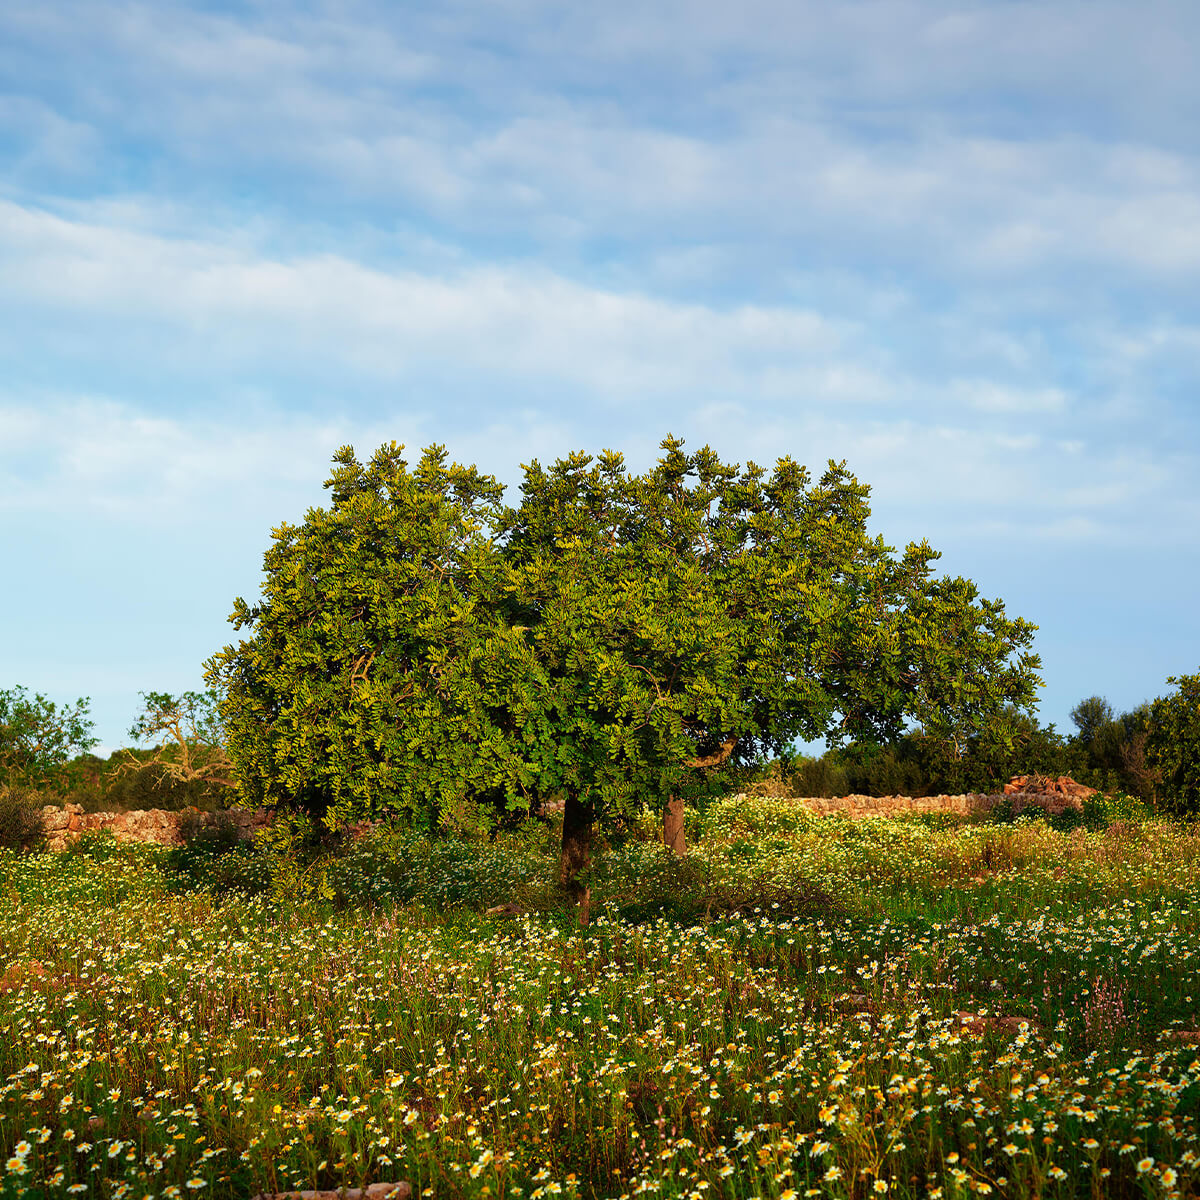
{"x": 1146, "y": 1164}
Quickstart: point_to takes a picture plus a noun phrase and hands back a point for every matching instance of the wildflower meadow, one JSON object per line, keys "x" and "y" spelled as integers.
{"x": 800, "y": 1007}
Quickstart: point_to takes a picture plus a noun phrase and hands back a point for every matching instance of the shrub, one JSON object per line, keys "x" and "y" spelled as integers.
{"x": 819, "y": 777}
{"x": 1101, "y": 810}
{"x": 21, "y": 823}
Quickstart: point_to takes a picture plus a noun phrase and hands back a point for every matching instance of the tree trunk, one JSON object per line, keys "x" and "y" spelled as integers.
{"x": 577, "y": 854}
{"x": 673, "y": 826}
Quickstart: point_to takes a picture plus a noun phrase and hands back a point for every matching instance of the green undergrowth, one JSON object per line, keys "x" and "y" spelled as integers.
{"x": 802, "y": 1006}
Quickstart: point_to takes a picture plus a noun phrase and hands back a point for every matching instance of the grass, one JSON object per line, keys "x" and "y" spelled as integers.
{"x": 801, "y": 1007}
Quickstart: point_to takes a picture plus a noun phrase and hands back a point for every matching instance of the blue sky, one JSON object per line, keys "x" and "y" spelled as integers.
{"x": 955, "y": 244}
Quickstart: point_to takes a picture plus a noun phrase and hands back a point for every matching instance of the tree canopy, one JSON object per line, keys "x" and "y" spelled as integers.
{"x": 1173, "y": 746}
{"x": 611, "y": 639}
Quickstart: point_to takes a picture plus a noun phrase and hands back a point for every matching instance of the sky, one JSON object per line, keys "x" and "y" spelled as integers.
{"x": 955, "y": 244}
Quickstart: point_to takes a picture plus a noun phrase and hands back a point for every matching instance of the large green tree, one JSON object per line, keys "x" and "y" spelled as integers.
{"x": 613, "y": 638}
{"x": 700, "y": 615}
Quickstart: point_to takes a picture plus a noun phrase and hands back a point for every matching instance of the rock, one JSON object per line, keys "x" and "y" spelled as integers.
{"x": 506, "y": 910}
{"x": 1044, "y": 785}
{"x": 977, "y": 1024}
{"x": 17, "y": 974}
{"x": 373, "y": 1191}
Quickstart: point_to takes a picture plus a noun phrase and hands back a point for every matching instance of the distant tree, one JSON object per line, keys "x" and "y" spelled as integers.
{"x": 38, "y": 738}
{"x": 1173, "y": 744}
{"x": 1109, "y": 751}
{"x": 187, "y": 741}
{"x": 1090, "y": 717}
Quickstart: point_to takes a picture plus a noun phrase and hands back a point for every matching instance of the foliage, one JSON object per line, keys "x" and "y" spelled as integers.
{"x": 1173, "y": 744}
{"x": 39, "y": 737}
{"x": 295, "y": 859}
{"x": 378, "y": 674}
{"x": 702, "y": 613}
{"x": 21, "y": 824}
{"x": 614, "y": 638}
{"x": 1102, "y": 810}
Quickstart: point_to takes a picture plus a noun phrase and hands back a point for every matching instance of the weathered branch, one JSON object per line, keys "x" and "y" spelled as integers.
{"x": 182, "y": 727}
{"x": 717, "y": 757}
{"x": 361, "y": 667}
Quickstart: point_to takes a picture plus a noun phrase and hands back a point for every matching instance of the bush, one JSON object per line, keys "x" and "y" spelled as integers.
{"x": 21, "y": 823}
{"x": 1100, "y": 810}
{"x": 819, "y": 777}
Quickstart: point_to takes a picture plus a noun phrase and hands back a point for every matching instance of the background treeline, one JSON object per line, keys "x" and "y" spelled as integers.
{"x": 1106, "y": 751}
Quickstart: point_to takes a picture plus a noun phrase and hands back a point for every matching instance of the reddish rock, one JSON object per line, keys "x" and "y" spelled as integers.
{"x": 976, "y": 1024}
{"x": 1044, "y": 785}
{"x": 373, "y": 1191}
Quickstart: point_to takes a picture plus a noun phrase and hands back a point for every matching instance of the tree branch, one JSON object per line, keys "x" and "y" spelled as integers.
{"x": 717, "y": 757}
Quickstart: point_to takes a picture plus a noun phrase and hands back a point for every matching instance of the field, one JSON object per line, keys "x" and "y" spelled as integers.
{"x": 802, "y": 1007}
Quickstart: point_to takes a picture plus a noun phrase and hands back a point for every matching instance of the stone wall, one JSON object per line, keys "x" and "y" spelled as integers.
{"x": 64, "y": 825}
{"x": 968, "y": 804}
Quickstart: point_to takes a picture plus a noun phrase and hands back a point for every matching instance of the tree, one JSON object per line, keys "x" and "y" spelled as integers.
{"x": 699, "y": 616}
{"x": 1090, "y": 716}
{"x": 38, "y": 738}
{"x": 1109, "y": 750}
{"x": 1173, "y": 744}
{"x": 192, "y": 745}
{"x": 614, "y": 638}
{"x": 378, "y": 674}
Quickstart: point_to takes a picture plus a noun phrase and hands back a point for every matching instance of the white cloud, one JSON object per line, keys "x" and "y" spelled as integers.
{"x": 232, "y": 304}
{"x": 987, "y": 142}
{"x": 990, "y": 397}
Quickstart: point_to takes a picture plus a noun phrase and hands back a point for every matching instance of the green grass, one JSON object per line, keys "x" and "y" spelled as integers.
{"x": 778, "y": 1013}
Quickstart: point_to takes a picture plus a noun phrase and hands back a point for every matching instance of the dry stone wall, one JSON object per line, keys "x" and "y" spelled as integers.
{"x": 967, "y": 804}
{"x": 64, "y": 825}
